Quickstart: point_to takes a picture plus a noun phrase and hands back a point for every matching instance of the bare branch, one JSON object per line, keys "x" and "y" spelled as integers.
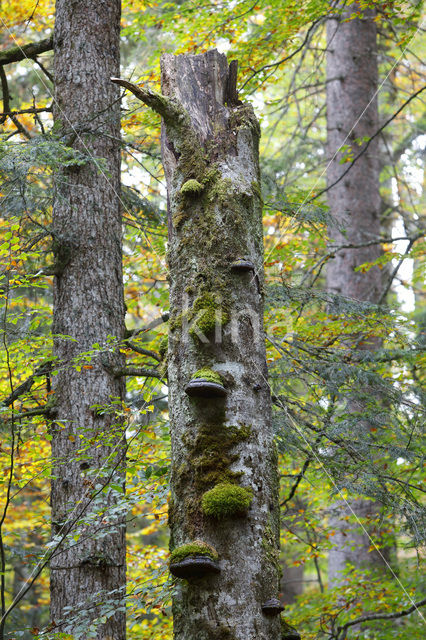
{"x": 5, "y": 95}
{"x": 141, "y": 373}
{"x": 379, "y": 616}
{"x": 151, "y": 325}
{"x": 143, "y": 352}
{"x": 45, "y": 71}
{"x": 169, "y": 109}
{"x": 364, "y": 149}
{"x": 30, "y": 50}
{"x": 295, "y": 52}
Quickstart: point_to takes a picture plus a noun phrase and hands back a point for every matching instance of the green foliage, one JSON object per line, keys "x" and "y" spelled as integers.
{"x": 226, "y": 501}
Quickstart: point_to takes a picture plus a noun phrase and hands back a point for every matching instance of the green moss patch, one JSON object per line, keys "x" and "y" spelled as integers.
{"x": 207, "y": 374}
{"x": 196, "y": 548}
{"x": 226, "y": 501}
{"x": 203, "y": 317}
{"x": 163, "y": 347}
{"x": 208, "y": 314}
{"x": 191, "y": 187}
{"x": 210, "y": 456}
{"x": 179, "y": 218}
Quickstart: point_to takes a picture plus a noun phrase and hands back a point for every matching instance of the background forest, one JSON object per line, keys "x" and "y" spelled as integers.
{"x": 326, "y": 459}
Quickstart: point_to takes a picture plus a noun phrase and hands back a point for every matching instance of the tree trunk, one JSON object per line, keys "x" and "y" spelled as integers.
{"x": 224, "y": 465}
{"x": 355, "y": 206}
{"x": 89, "y": 564}
{"x": 216, "y": 265}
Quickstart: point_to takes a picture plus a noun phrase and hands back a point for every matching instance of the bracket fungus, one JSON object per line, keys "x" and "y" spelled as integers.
{"x": 272, "y": 607}
{"x": 205, "y": 383}
{"x": 194, "y": 560}
{"x": 226, "y": 500}
{"x": 242, "y": 265}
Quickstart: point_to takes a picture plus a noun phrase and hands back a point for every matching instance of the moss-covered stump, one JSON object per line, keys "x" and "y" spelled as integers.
{"x": 226, "y": 501}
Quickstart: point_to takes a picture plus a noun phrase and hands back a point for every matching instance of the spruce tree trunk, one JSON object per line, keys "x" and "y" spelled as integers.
{"x": 354, "y": 202}
{"x": 216, "y": 324}
{"x": 88, "y": 307}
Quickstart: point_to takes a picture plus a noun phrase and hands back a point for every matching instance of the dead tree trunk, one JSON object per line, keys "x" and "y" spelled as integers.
{"x": 352, "y": 115}
{"x": 224, "y": 512}
{"x": 88, "y": 566}
{"x": 224, "y": 477}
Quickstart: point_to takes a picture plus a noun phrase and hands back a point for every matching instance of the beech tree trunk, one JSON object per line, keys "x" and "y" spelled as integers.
{"x": 227, "y": 439}
{"x": 88, "y": 566}
{"x": 354, "y": 201}
{"x": 224, "y": 509}
{"x": 219, "y": 440}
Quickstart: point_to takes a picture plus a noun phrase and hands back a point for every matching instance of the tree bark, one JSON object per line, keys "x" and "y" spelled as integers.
{"x": 210, "y": 156}
{"x": 354, "y": 202}
{"x": 88, "y": 567}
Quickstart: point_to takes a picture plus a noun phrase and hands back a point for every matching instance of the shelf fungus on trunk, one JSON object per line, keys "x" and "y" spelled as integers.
{"x": 226, "y": 500}
{"x": 194, "y": 560}
{"x": 242, "y": 265}
{"x": 272, "y": 607}
{"x": 205, "y": 383}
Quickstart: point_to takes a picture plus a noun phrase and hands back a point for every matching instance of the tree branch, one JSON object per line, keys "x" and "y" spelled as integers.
{"x": 169, "y": 109}
{"x": 45, "y": 71}
{"x": 396, "y": 269}
{"x": 364, "y": 149}
{"x": 151, "y": 325}
{"x": 295, "y": 52}
{"x": 5, "y": 95}
{"x": 380, "y": 616}
{"x": 141, "y": 373}
{"x": 44, "y": 369}
{"x": 30, "y": 50}
{"x": 143, "y": 352}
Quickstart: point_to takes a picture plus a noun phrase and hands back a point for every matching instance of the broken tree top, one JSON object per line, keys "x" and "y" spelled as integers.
{"x": 202, "y": 77}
